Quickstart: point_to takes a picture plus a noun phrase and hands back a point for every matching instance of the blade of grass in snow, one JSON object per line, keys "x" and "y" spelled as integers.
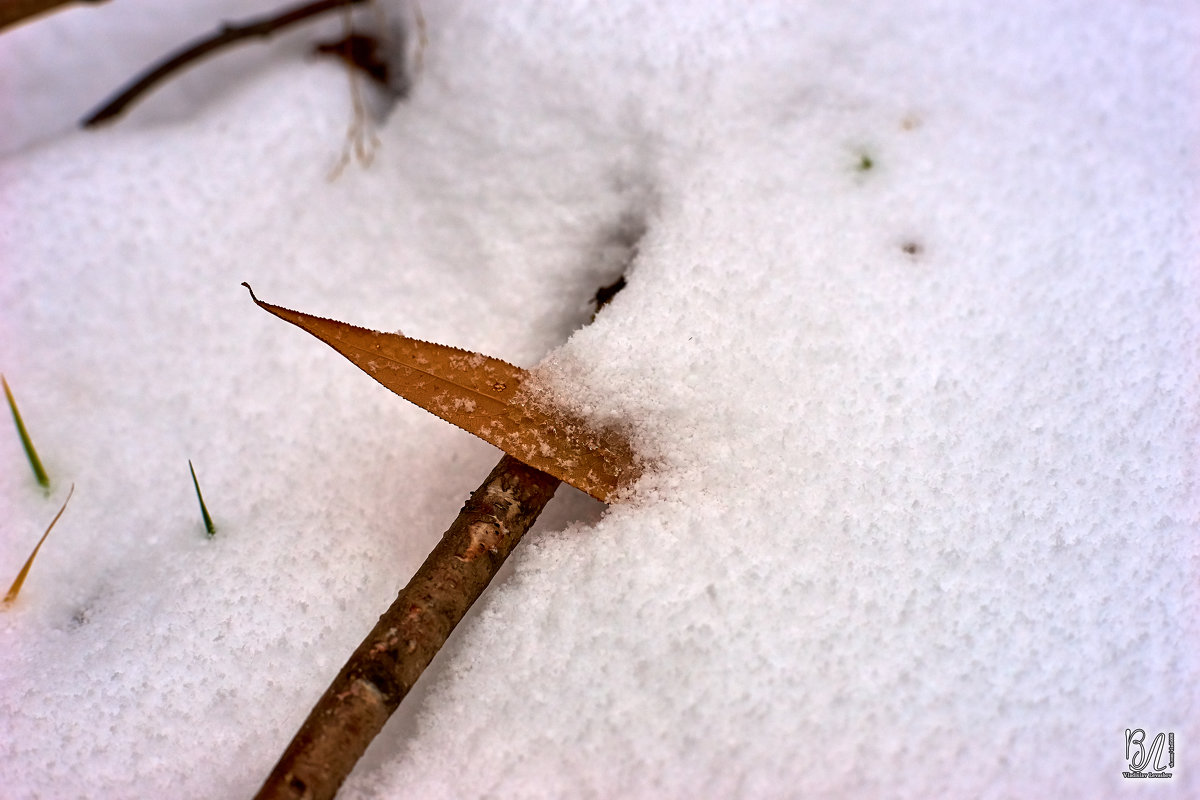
{"x": 208, "y": 523}
{"x": 36, "y": 463}
{"x": 15, "y": 589}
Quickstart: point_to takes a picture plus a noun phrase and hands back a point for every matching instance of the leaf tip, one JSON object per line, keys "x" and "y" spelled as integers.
{"x": 251, "y": 290}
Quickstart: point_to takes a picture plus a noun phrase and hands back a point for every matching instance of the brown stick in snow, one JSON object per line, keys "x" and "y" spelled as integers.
{"x": 14, "y": 11}
{"x": 229, "y": 33}
{"x": 407, "y": 637}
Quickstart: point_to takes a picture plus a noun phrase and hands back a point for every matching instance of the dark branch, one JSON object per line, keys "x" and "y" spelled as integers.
{"x": 229, "y": 33}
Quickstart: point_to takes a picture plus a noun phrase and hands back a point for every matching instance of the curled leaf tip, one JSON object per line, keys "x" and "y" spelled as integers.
{"x": 252, "y": 297}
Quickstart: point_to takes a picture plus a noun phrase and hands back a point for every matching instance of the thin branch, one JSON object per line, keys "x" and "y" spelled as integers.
{"x": 229, "y": 33}
{"x": 15, "y": 11}
{"x": 390, "y": 660}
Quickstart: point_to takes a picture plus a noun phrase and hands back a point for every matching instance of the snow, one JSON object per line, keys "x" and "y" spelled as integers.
{"x": 924, "y": 515}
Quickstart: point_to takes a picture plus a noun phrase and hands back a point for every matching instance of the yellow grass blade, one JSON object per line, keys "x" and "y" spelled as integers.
{"x": 15, "y": 589}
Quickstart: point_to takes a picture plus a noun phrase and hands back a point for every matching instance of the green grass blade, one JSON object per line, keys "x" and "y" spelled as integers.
{"x": 36, "y": 463}
{"x": 15, "y": 589}
{"x": 208, "y": 523}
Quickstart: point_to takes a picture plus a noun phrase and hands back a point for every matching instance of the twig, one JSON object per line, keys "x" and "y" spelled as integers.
{"x": 14, "y": 11}
{"x": 407, "y": 637}
{"x": 228, "y": 34}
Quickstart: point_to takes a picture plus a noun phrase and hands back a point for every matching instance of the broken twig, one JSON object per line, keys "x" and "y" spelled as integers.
{"x": 228, "y": 34}
{"x": 390, "y": 660}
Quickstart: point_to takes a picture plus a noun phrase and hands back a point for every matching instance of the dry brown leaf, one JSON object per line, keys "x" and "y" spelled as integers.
{"x": 482, "y": 396}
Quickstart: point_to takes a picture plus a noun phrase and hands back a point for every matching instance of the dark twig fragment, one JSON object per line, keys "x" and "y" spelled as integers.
{"x": 605, "y": 294}
{"x": 386, "y": 665}
{"x": 228, "y": 34}
{"x": 359, "y": 51}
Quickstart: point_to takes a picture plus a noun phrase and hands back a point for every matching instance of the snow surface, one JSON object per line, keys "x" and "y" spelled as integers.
{"x": 925, "y": 519}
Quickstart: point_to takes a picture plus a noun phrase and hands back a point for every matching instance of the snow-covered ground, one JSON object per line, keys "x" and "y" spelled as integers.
{"x": 912, "y": 325}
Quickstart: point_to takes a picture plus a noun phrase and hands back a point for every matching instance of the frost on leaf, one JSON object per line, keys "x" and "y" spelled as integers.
{"x": 482, "y": 395}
